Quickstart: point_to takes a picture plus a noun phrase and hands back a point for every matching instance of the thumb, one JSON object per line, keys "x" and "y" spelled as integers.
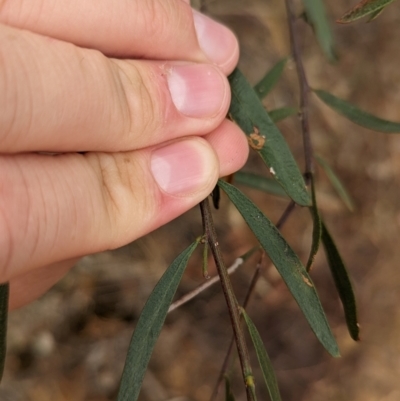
{"x": 66, "y": 206}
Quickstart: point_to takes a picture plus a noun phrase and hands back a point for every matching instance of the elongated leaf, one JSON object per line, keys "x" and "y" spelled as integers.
{"x": 257, "y": 181}
{"x": 149, "y": 327}
{"x": 270, "y": 79}
{"x": 4, "y": 294}
{"x": 228, "y": 391}
{"x": 316, "y": 14}
{"x": 263, "y": 359}
{"x": 342, "y": 283}
{"x": 317, "y": 227}
{"x": 375, "y": 14}
{"x": 336, "y": 183}
{"x": 363, "y": 8}
{"x": 248, "y": 112}
{"x": 356, "y": 115}
{"x": 287, "y": 263}
{"x": 282, "y": 113}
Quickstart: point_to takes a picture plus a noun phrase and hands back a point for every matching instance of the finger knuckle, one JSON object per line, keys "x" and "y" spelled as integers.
{"x": 157, "y": 18}
{"x": 14, "y": 78}
{"x": 15, "y": 218}
{"x": 143, "y": 108}
{"x": 125, "y": 193}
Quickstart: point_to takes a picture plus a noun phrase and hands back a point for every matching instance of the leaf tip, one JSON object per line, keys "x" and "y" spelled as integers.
{"x": 342, "y": 20}
{"x": 334, "y": 351}
{"x": 355, "y": 334}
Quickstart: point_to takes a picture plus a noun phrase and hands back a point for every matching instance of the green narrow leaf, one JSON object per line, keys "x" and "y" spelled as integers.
{"x": 263, "y": 359}
{"x": 342, "y": 283}
{"x": 248, "y": 112}
{"x": 270, "y": 79}
{"x": 288, "y": 265}
{"x": 356, "y": 115}
{"x": 4, "y": 294}
{"x": 375, "y": 14}
{"x": 149, "y": 327}
{"x": 259, "y": 182}
{"x": 317, "y": 227}
{"x": 316, "y": 14}
{"x": 363, "y": 8}
{"x": 282, "y": 113}
{"x": 228, "y": 391}
{"x": 336, "y": 183}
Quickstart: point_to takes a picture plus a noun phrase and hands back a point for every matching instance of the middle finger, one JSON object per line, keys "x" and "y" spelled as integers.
{"x": 98, "y": 103}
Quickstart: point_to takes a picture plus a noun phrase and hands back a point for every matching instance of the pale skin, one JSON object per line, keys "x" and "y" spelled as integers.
{"x": 128, "y": 98}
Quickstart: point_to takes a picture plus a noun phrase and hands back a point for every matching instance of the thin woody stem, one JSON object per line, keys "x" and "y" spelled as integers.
{"x": 225, "y": 364}
{"x": 190, "y": 295}
{"x": 282, "y": 220}
{"x": 233, "y": 306}
{"x": 304, "y": 91}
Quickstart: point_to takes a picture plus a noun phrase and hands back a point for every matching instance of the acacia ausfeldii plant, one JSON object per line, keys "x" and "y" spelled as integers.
{"x": 282, "y": 177}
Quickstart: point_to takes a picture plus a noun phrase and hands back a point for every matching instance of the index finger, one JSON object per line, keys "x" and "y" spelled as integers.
{"x": 152, "y": 29}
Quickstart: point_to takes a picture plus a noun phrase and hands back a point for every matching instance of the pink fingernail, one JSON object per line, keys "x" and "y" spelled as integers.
{"x": 179, "y": 168}
{"x": 216, "y": 41}
{"x": 197, "y": 90}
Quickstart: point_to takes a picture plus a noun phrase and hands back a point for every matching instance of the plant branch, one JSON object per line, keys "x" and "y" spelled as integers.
{"x": 285, "y": 215}
{"x": 304, "y": 91}
{"x": 225, "y": 364}
{"x": 233, "y": 306}
{"x": 282, "y": 220}
{"x": 190, "y": 295}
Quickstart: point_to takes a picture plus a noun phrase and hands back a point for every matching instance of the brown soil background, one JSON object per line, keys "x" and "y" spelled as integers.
{"x": 71, "y": 344}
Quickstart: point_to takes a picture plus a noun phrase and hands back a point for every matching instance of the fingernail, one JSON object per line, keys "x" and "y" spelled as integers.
{"x": 197, "y": 90}
{"x": 181, "y": 168}
{"x": 217, "y": 41}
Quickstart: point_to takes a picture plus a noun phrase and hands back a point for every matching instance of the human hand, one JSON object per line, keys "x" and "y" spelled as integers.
{"x": 152, "y": 133}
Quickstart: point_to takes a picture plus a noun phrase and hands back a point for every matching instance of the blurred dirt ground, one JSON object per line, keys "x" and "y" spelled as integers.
{"x": 71, "y": 344}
